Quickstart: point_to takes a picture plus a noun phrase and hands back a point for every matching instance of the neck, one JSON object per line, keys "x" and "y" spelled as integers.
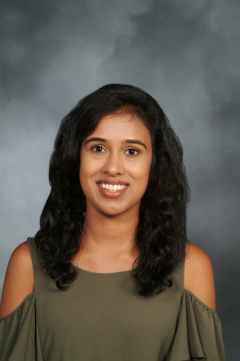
{"x": 110, "y": 235}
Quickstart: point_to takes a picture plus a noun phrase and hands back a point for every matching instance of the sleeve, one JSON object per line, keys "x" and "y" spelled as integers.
{"x": 19, "y": 338}
{"x": 198, "y": 334}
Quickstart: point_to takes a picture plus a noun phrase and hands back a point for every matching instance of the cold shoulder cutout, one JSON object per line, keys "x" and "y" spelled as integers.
{"x": 100, "y": 316}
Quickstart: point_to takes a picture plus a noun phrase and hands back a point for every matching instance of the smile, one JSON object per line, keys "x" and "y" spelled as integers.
{"x": 111, "y": 187}
{"x": 112, "y": 190}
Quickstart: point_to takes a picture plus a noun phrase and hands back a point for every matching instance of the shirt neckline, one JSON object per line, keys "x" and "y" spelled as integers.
{"x": 102, "y": 273}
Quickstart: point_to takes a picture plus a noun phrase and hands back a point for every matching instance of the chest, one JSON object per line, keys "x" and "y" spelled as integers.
{"x": 104, "y": 312}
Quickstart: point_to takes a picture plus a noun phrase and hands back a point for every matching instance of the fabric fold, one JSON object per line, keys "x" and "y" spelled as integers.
{"x": 198, "y": 334}
{"x": 19, "y": 339}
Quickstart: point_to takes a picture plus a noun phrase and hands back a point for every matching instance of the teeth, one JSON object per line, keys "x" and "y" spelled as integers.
{"x": 112, "y": 188}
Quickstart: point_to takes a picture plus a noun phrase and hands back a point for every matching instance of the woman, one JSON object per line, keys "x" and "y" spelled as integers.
{"x": 110, "y": 275}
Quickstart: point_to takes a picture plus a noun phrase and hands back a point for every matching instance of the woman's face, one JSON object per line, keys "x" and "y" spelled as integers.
{"x": 117, "y": 155}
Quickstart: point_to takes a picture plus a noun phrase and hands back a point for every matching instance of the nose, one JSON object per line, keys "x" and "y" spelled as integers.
{"x": 113, "y": 164}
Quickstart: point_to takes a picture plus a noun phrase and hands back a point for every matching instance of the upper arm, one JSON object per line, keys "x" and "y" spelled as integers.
{"x": 199, "y": 277}
{"x": 19, "y": 279}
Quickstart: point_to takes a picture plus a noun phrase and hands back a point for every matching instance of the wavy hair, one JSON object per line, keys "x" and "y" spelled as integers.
{"x": 161, "y": 231}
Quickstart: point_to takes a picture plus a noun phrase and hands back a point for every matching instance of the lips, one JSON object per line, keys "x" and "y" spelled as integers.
{"x": 112, "y": 194}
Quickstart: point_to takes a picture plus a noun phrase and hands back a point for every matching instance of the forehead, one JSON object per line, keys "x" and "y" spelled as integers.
{"x": 122, "y": 125}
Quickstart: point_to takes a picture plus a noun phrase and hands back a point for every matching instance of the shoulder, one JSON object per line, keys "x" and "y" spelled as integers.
{"x": 19, "y": 279}
{"x": 198, "y": 275}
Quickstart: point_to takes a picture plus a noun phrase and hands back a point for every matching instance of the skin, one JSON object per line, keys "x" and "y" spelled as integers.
{"x": 108, "y": 244}
{"x": 110, "y": 222}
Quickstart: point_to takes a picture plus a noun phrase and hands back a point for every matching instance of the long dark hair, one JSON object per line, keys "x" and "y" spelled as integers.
{"x": 161, "y": 232}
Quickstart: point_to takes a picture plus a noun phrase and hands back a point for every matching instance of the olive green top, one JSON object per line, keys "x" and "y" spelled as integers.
{"x": 100, "y": 317}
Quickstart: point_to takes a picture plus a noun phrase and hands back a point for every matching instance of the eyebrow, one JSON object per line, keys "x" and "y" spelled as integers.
{"x": 131, "y": 141}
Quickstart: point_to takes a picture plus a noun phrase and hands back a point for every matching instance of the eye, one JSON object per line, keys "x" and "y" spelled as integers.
{"x": 97, "y": 148}
{"x": 133, "y": 152}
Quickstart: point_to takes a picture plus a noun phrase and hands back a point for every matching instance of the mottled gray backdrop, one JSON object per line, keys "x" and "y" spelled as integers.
{"x": 186, "y": 54}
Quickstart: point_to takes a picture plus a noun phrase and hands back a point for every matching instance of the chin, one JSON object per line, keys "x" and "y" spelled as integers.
{"x": 112, "y": 212}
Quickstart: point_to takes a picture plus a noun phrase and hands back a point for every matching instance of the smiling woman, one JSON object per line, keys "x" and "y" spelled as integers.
{"x": 110, "y": 274}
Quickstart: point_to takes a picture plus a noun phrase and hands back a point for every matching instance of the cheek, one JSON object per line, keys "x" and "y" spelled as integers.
{"x": 83, "y": 172}
{"x": 84, "y": 177}
{"x": 88, "y": 165}
{"x": 88, "y": 169}
{"x": 141, "y": 170}
{"x": 140, "y": 176}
